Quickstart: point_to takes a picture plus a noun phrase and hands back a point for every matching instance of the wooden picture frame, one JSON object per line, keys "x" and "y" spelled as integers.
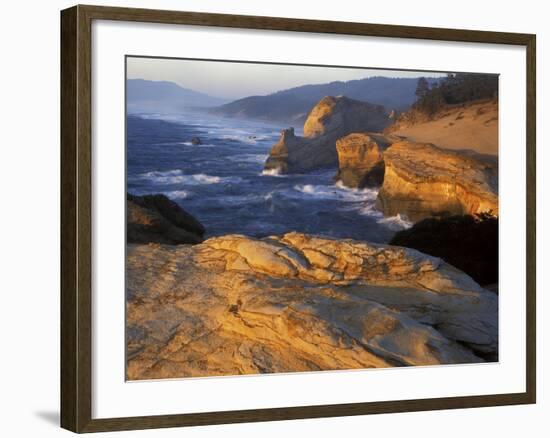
{"x": 76, "y": 217}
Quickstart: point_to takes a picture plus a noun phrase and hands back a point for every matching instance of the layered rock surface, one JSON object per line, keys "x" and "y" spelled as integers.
{"x": 238, "y": 305}
{"x": 360, "y": 159}
{"x": 423, "y": 180}
{"x": 155, "y": 218}
{"x": 331, "y": 119}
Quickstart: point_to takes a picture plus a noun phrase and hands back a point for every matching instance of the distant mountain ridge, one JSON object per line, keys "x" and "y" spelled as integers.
{"x": 293, "y": 105}
{"x": 165, "y": 96}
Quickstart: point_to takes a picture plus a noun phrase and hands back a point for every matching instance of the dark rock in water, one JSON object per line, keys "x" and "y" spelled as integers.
{"x": 278, "y": 157}
{"x": 196, "y": 141}
{"x": 469, "y": 243}
{"x": 155, "y": 218}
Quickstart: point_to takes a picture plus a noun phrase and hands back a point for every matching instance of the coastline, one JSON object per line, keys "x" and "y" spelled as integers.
{"x": 340, "y": 250}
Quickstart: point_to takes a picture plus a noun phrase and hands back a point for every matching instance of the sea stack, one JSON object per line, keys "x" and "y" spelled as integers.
{"x": 360, "y": 159}
{"x": 330, "y": 119}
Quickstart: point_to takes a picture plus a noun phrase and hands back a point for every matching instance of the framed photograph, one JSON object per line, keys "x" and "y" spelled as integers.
{"x": 270, "y": 218}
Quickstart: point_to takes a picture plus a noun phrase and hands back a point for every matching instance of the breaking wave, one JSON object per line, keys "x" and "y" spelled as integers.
{"x": 395, "y": 223}
{"x": 273, "y": 172}
{"x": 249, "y": 158}
{"x": 337, "y": 192}
{"x": 178, "y": 194}
{"x": 178, "y": 177}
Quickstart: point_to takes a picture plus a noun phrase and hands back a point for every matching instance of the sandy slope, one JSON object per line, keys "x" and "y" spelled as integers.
{"x": 473, "y": 126}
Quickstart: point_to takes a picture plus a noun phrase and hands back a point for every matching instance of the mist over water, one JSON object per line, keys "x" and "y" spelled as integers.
{"x": 221, "y": 182}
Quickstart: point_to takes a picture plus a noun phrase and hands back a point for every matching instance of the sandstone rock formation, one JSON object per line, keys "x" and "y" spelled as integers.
{"x": 155, "y": 218}
{"x": 238, "y": 305}
{"x": 330, "y": 119}
{"x": 360, "y": 160}
{"x": 423, "y": 180}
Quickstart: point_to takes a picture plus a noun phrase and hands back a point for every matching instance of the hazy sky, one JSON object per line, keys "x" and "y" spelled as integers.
{"x": 233, "y": 80}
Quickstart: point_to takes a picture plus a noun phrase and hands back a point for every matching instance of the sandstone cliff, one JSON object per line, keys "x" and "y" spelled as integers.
{"x": 472, "y": 125}
{"x": 237, "y": 305}
{"x": 423, "y": 180}
{"x": 360, "y": 159}
{"x": 155, "y": 218}
{"x": 330, "y": 119}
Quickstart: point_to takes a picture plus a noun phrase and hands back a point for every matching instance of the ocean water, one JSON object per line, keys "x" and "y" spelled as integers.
{"x": 222, "y": 182}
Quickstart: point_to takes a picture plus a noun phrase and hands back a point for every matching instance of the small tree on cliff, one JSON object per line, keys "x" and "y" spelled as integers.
{"x": 422, "y": 88}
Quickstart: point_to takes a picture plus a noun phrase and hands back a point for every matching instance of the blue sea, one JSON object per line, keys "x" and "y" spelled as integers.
{"x": 221, "y": 182}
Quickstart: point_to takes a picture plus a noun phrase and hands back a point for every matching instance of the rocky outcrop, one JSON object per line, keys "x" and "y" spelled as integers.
{"x": 341, "y": 115}
{"x": 279, "y": 156}
{"x": 360, "y": 159}
{"x": 330, "y": 119}
{"x": 238, "y": 305}
{"x": 155, "y": 218}
{"x": 469, "y": 243}
{"x": 423, "y": 180}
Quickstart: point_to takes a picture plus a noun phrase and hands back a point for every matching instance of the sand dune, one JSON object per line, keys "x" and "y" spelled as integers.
{"x": 471, "y": 126}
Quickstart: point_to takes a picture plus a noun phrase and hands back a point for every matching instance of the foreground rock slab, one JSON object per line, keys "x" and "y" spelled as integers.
{"x": 422, "y": 180}
{"x": 238, "y": 305}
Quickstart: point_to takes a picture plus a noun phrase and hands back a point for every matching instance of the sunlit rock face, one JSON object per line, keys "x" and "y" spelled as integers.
{"x": 341, "y": 115}
{"x": 360, "y": 159}
{"x": 239, "y": 305}
{"x": 423, "y": 180}
{"x": 329, "y": 120}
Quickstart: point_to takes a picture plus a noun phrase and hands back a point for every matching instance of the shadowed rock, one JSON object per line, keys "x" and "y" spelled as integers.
{"x": 469, "y": 243}
{"x": 238, "y": 305}
{"x": 155, "y": 218}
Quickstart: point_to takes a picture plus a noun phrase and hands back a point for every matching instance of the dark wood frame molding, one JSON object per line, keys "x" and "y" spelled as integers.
{"x": 76, "y": 173}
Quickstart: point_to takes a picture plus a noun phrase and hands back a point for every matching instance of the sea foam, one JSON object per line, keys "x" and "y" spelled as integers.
{"x": 178, "y": 194}
{"x": 178, "y": 177}
{"x": 273, "y": 172}
{"x": 337, "y": 192}
{"x": 248, "y": 158}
